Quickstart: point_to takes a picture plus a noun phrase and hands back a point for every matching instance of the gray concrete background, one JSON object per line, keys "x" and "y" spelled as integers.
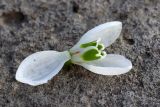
{"x": 28, "y": 26}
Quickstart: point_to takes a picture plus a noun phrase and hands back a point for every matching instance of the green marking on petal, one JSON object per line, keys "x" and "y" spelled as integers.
{"x": 93, "y": 43}
{"x": 101, "y": 47}
{"x": 93, "y": 51}
{"x": 90, "y": 55}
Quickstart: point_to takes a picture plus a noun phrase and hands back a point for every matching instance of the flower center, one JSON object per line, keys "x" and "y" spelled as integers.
{"x": 92, "y": 51}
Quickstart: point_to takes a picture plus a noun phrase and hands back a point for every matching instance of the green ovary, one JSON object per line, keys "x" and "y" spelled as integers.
{"x": 90, "y": 55}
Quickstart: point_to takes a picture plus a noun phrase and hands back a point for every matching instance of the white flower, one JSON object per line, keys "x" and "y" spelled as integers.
{"x": 89, "y": 52}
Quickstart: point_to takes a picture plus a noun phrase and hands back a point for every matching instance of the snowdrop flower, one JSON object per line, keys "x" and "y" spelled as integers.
{"x": 89, "y": 52}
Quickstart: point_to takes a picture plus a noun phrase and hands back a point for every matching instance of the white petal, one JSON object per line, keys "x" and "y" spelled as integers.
{"x": 112, "y": 64}
{"x": 107, "y": 32}
{"x": 40, "y": 67}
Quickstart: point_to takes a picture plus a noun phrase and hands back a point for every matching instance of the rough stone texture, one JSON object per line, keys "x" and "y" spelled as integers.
{"x": 28, "y": 26}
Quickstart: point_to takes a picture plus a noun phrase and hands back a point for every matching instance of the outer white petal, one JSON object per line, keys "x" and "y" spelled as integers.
{"x": 40, "y": 67}
{"x": 112, "y": 64}
{"x": 107, "y": 32}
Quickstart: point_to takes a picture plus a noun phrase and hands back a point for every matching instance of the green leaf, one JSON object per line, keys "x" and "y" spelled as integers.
{"x": 67, "y": 65}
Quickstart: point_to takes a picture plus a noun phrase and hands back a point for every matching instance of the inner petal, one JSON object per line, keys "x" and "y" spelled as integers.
{"x": 85, "y": 45}
{"x": 92, "y": 54}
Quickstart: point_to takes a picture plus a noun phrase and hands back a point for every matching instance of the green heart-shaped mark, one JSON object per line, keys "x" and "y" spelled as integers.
{"x": 92, "y": 54}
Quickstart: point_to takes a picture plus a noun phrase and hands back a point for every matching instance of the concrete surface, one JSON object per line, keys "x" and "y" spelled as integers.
{"x": 28, "y": 26}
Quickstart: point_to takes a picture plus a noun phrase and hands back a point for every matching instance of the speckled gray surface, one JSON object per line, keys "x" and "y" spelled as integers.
{"x": 28, "y": 26}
